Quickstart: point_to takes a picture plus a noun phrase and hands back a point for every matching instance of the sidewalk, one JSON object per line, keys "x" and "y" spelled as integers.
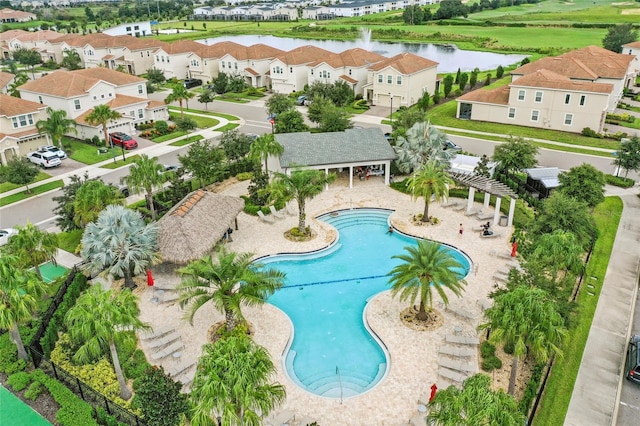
{"x": 596, "y": 392}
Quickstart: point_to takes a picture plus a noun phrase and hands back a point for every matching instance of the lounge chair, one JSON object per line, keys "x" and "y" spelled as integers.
{"x": 460, "y": 206}
{"x": 180, "y": 368}
{"x": 457, "y": 365}
{"x": 454, "y": 376}
{"x": 484, "y": 215}
{"x": 492, "y": 235}
{"x": 460, "y": 312}
{"x": 157, "y": 333}
{"x": 160, "y": 342}
{"x": 282, "y": 419}
{"x": 267, "y": 219}
{"x": 471, "y": 212}
{"x": 291, "y": 211}
{"x": 500, "y": 277}
{"x": 276, "y": 213}
{"x": 175, "y": 347}
{"x": 457, "y": 351}
{"x": 461, "y": 340}
{"x": 419, "y": 419}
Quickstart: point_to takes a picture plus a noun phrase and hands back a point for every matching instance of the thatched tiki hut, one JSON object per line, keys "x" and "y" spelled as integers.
{"x": 193, "y": 227}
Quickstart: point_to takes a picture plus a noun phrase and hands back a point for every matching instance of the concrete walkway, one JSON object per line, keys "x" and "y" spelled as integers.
{"x": 596, "y": 392}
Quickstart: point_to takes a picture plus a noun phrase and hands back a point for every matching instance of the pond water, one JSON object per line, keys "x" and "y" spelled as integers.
{"x": 448, "y": 57}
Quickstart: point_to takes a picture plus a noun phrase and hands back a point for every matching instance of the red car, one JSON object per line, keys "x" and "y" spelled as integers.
{"x": 124, "y": 140}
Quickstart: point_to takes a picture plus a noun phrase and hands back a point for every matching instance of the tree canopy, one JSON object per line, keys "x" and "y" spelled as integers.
{"x": 583, "y": 182}
{"x": 628, "y": 156}
{"x": 515, "y": 154}
{"x": 204, "y": 160}
{"x": 290, "y": 121}
{"x": 421, "y": 144}
{"x": 19, "y": 171}
{"x": 278, "y": 103}
{"x": 618, "y": 35}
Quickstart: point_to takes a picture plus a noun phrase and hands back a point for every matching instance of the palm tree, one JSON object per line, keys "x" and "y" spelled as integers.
{"x": 91, "y": 198}
{"x": 179, "y": 94}
{"x": 426, "y": 267}
{"x": 558, "y": 251}
{"x": 475, "y": 404}
{"x": 301, "y": 185}
{"x": 57, "y": 125}
{"x": 120, "y": 242}
{"x": 33, "y": 246}
{"x": 263, "y": 147}
{"x": 527, "y": 319}
{"x": 99, "y": 320}
{"x": 422, "y": 143}
{"x": 232, "y": 384}
{"x": 145, "y": 174}
{"x": 430, "y": 179}
{"x": 101, "y": 115}
{"x": 228, "y": 282}
{"x": 20, "y": 291}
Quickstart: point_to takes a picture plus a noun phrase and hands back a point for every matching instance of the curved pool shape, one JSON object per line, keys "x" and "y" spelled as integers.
{"x": 333, "y": 353}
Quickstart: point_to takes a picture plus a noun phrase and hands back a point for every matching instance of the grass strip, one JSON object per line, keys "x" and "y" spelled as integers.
{"x": 4, "y": 201}
{"x": 210, "y": 113}
{"x": 119, "y": 163}
{"x": 70, "y": 240}
{"x": 186, "y": 141}
{"x": 228, "y": 126}
{"x": 557, "y": 394}
{"x": 170, "y": 136}
{"x": 8, "y": 186}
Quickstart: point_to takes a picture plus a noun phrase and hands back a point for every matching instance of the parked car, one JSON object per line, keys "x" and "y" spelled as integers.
{"x": 124, "y": 189}
{"x": 123, "y": 139}
{"x": 192, "y": 82}
{"x": 450, "y": 145}
{"x": 170, "y": 168}
{"x": 44, "y": 159}
{"x": 303, "y": 100}
{"x": 633, "y": 359}
{"x": 52, "y": 148}
{"x": 5, "y": 234}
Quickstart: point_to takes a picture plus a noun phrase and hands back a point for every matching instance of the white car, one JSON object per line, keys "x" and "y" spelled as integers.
{"x": 5, "y": 234}
{"x": 44, "y": 159}
{"x": 54, "y": 149}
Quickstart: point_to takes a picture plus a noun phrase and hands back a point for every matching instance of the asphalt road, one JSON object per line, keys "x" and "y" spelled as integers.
{"x": 629, "y": 407}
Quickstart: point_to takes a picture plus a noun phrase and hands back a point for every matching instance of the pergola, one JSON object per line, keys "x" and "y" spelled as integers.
{"x": 489, "y": 187}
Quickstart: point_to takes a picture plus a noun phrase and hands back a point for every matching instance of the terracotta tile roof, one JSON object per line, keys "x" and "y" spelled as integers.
{"x": 72, "y": 83}
{"x": 156, "y": 104}
{"x": 39, "y": 35}
{"x": 348, "y": 79}
{"x": 251, "y": 71}
{"x": 303, "y": 55}
{"x": 262, "y": 51}
{"x": 359, "y": 57}
{"x": 82, "y": 118}
{"x": 7, "y": 13}
{"x": 551, "y": 80}
{"x": 124, "y": 100}
{"x": 10, "y": 106}
{"x": 11, "y": 34}
{"x": 498, "y": 96}
{"x": 635, "y": 44}
{"x": 605, "y": 63}
{"x": 5, "y": 78}
{"x": 218, "y": 50}
{"x": 570, "y": 67}
{"x": 405, "y": 63}
{"x": 24, "y": 133}
{"x": 107, "y": 57}
{"x": 139, "y": 43}
{"x": 185, "y": 46}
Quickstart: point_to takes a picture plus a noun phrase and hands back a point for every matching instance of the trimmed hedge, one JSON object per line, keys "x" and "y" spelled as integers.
{"x": 622, "y": 182}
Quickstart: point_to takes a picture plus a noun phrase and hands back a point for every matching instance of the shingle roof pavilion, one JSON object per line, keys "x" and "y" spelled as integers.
{"x": 326, "y": 149}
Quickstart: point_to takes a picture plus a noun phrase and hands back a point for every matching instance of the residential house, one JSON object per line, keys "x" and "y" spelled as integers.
{"x": 78, "y": 92}
{"x": 289, "y": 71}
{"x": 134, "y": 29}
{"x": 250, "y": 62}
{"x": 351, "y": 66}
{"x": 6, "y": 78}
{"x": 18, "y": 133}
{"x": 136, "y": 56}
{"x": 319, "y": 13}
{"x": 400, "y": 80}
{"x": 205, "y": 63}
{"x": 12, "y": 40}
{"x": 174, "y": 59}
{"x": 8, "y": 16}
{"x": 633, "y": 49}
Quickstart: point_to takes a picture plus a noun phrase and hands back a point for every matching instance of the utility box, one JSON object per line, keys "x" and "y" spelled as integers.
{"x": 504, "y": 220}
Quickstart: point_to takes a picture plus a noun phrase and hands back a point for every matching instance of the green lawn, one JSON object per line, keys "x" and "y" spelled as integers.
{"x": 557, "y": 394}
{"x": 70, "y": 240}
{"x": 37, "y": 190}
{"x": 119, "y": 162}
{"x": 210, "y": 113}
{"x": 187, "y": 141}
{"x": 228, "y": 126}
{"x": 87, "y": 154}
{"x": 168, "y": 137}
{"x": 7, "y": 186}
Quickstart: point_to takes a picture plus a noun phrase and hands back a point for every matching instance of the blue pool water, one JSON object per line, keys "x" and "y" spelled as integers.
{"x": 333, "y": 353}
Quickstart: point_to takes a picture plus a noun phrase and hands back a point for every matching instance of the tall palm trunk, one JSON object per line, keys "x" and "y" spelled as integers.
{"x": 302, "y": 216}
{"x": 181, "y": 111}
{"x": 422, "y": 313}
{"x": 17, "y": 339}
{"x": 125, "y": 393}
{"x": 230, "y": 320}
{"x": 106, "y": 136}
{"x": 128, "y": 280}
{"x": 152, "y": 208}
{"x": 425, "y": 214}
{"x": 39, "y": 272}
{"x": 513, "y": 376}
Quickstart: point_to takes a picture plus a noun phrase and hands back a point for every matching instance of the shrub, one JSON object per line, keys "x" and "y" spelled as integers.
{"x": 436, "y": 98}
{"x": 591, "y": 133}
{"x": 19, "y": 380}
{"x": 135, "y": 366}
{"x": 34, "y": 391}
{"x": 244, "y": 176}
{"x": 96, "y": 141}
{"x": 159, "y": 398}
{"x": 162, "y": 127}
{"x": 620, "y": 181}
{"x": 531, "y": 390}
{"x": 491, "y": 363}
{"x": 487, "y": 349}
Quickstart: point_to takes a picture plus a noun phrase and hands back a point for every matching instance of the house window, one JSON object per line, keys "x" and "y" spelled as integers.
{"x": 521, "y": 95}
{"x": 168, "y": 59}
{"x": 102, "y": 96}
{"x": 512, "y": 113}
{"x": 136, "y": 27}
{"x": 235, "y": 65}
{"x": 147, "y": 53}
{"x": 22, "y": 121}
{"x": 389, "y": 79}
{"x": 132, "y": 114}
{"x": 274, "y": 70}
{"x": 140, "y": 91}
{"x": 291, "y": 70}
{"x": 534, "y": 115}
{"x": 76, "y": 104}
{"x": 567, "y": 99}
{"x": 349, "y": 71}
{"x": 583, "y": 100}
{"x": 95, "y": 97}
{"x": 128, "y": 29}
{"x": 568, "y": 119}
{"x": 140, "y": 113}
{"x": 379, "y": 78}
{"x": 399, "y": 80}
{"x": 538, "y": 97}
{"x": 157, "y": 58}
{"x": 311, "y": 71}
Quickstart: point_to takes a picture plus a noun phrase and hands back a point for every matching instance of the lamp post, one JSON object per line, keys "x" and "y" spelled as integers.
{"x": 391, "y": 115}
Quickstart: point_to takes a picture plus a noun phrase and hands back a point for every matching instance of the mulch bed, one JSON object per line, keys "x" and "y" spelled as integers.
{"x": 434, "y": 321}
{"x": 45, "y": 405}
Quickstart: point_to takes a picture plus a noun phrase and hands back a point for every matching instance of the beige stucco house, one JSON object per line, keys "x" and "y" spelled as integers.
{"x": 633, "y": 49}
{"x": 18, "y": 133}
{"x": 175, "y": 59}
{"x": 205, "y": 63}
{"x": 250, "y": 62}
{"x": 6, "y": 78}
{"x": 9, "y": 16}
{"x": 289, "y": 71}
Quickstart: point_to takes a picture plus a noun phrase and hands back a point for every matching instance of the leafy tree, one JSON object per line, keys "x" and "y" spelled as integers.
{"x": 98, "y": 321}
{"x": 448, "y": 85}
{"x": 583, "y": 182}
{"x": 204, "y": 160}
{"x": 91, "y": 197}
{"x": 317, "y": 108}
{"x": 429, "y": 180}
{"x": 464, "y": 77}
{"x": 236, "y": 84}
{"x": 19, "y": 171}
{"x": 186, "y": 125}
{"x": 278, "y": 103}
{"x": 628, "y": 156}
{"x": 341, "y": 93}
{"x": 473, "y": 79}
{"x": 146, "y": 174}
{"x": 28, "y": 57}
{"x": 515, "y": 154}
{"x": 406, "y": 119}
{"x": 89, "y": 14}
{"x": 499, "y": 72}
{"x": 290, "y": 121}
{"x": 179, "y": 93}
{"x": 423, "y": 102}
{"x": 426, "y": 268}
{"x": 528, "y": 320}
{"x": 155, "y": 76}
{"x": 258, "y": 187}
{"x": 71, "y": 60}
{"x": 482, "y": 168}
{"x": 335, "y": 120}
{"x": 33, "y": 246}
{"x": 228, "y": 282}
{"x": 487, "y": 80}
{"x": 206, "y": 97}
{"x": 19, "y": 295}
{"x": 120, "y": 242}
{"x": 64, "y": 210}
{"x": 475, "y": 404}
{"x": 221, "y": 83}
{"x": 233, "y": 384}
{"x": 423, "y": 143}
{"x": 159, "y": 399}
{"x": 20, "y": 79}
{"x": 558, "y": 251}
{"x": 413, "y": 15}
{"x": 100, "y": 116}
{"x": 57, "y": 125}
{"x": 236, "y": 145}
{"x": 300, "y": 185}
{"x": 617, "y": 36}
{"x": 450, "y": 9}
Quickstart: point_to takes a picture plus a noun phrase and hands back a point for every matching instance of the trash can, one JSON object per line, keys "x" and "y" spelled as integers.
{"x": 504, "y": 220}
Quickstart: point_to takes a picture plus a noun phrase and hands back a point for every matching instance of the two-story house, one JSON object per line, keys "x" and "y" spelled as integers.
{"x": 18, "y": 133}
{"x": 174, "y": 59}
{"x": 351, "y": 66}
{"x": 251, "y": 62}
{"x": 205, "y": 64}
{"x": 633, "y": 49}
{"x": 136, "y": 56}
{"x": 6, "y": 78}
{"x": 400, "y": 80}
{"x": 79, "y": 92}
{"x": 289, "y": 71}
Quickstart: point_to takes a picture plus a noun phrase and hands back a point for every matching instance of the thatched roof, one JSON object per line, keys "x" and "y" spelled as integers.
{"x": 191, "y": 228}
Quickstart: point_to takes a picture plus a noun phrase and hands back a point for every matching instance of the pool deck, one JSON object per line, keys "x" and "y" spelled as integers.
{"x": 414, "y": 354}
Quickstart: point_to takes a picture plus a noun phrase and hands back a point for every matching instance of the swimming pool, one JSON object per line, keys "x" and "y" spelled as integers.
{"x": 333, "y": 353}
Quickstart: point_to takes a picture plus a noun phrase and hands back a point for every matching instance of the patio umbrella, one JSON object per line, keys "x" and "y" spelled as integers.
{"x": 150, "y": 281}
{"x": 434, "y": 389}
{"x": 514, "y": 249}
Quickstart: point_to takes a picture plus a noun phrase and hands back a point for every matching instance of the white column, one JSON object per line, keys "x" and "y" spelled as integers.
{"x": 386, "y": 172}
{"x": 496, "y": 215}
{"x": 512, "y": 210}
{"x": 487, "y": 198}
{"x": 472, "y": 193}
{"x": 350, "y": 177}
{"x": 326, "y": 173}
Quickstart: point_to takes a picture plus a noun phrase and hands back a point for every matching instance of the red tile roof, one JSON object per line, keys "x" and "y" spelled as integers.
{"x": 405, "y": 63}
